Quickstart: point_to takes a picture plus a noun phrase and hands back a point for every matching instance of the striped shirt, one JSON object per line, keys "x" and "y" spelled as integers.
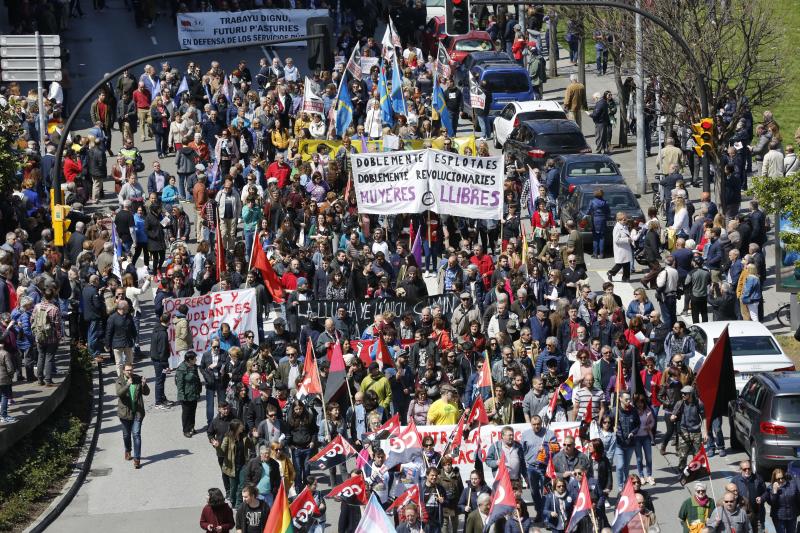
{"x": 581, "y": 396}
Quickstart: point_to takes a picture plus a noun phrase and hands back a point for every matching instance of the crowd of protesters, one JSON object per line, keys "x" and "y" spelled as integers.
{"x": 229, "y": 155}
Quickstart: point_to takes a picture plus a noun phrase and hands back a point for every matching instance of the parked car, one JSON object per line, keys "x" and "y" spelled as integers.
{"x": 754, "y": 348}
{"x": 508, "y": 82}
{"x": 765, "y": 420}
{"x": 460, "y": 46}
{"x": 432, "y": 34}
{"x": 516, "y": 112}
{"x": 534, "y": 141}
{"x": 461, "y": 72}
{"x": 577, "y": 169}
{"x": 619, "y": 198}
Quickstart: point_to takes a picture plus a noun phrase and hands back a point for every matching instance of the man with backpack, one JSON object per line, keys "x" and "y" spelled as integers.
{"x": 47, "y": 328}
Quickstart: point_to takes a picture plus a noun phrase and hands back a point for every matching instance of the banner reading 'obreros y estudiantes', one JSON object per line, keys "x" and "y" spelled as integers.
{"x": 413, "y": 182}
{"x": 204, "y": 29}
{"x": 207, "y": 312}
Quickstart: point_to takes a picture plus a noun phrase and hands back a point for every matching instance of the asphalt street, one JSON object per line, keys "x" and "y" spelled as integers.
{"x": 169, "y": 491}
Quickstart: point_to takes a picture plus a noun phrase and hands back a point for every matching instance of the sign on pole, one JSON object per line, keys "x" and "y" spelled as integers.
{"x": 22, "y": 64}
{"x": 30, "y": 40}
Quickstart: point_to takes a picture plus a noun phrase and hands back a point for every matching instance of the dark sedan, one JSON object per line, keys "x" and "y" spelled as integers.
{"x": 534, "y": 141}
{"x": 619, "y": 198}
{"x": 580, "y": 169}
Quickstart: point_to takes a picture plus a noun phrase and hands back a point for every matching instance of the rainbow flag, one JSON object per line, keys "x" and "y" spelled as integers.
{"x": 566, "y": 389}
{"x": 280, "y": 520}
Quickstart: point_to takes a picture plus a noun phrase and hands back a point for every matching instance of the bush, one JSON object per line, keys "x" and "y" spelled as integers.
{"x": 38, "y": 463}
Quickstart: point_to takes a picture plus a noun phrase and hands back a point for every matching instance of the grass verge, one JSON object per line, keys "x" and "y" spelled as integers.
{"x": 34, "y": 469}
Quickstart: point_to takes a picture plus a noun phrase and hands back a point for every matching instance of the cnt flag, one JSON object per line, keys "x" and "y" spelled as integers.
{"x": 626, "y": 508}
{"x": 698, "y": 467}
{"x": 353, "y": 487}
{"x": 503, "y": 499}
{"x": 279, "y": 520}
{"x": 338, "y": 451}
{"x": 374, "y": 519}
{"x": 404, "y": 448}
{"x": 303, "y": 509}
{"x": 337, "y": 373}
{"x": 715, "y": 381}
{"x": 582, "y": 506}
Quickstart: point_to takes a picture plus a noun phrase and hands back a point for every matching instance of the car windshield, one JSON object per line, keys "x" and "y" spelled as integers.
{"x": 544, "y": 114}
{"x": 755, "y": 345}
{"x": 592, "y": 168}
{"x": 786, "y": 408}
{"x": 473, "y": 45}
{"x": 617, "y": 200}
{"x": 560, "y": 142}
{"x": 507, "y": 82}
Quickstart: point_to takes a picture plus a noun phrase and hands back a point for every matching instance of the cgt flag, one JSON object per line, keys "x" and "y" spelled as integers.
{"x": 352, "y": 488}
{"x": 716, "y": 382}
{"x": 626, "y": 508}
{"x": 338, "y": 451}
{"x": 503, "y": 499}
{"x": 405, "y": 448}
{"x": 583, "y": 506}
{"x": 303, "y": 509}
{"x": 697, "y": 468}
{"x": 390, "y": 429}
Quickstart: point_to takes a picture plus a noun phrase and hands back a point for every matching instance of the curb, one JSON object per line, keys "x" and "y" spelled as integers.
{"x": 81, "y": 468}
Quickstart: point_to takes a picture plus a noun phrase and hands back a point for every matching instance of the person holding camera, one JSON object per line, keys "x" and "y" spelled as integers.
{"x": 131, "y": 389}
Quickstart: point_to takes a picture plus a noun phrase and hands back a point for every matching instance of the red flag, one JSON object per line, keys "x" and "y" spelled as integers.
{"x": 551, "y": 409}
{"x": 363, "y": 349}
{"x": 335, "y": 453}
{"x": 715, "y": 381}
{"x": 311, "y": 383}
{"x": 459, "y": 436}
{"x": 337, "y": 373}
{"x": 354, "y": 487}
{"x": 503, "y": 500}
{"x": 551, "y": 469}
{"x": 626, "y": 508}
{"x": 347, "y": 190}
{"x": 390, "y": 429}
{"x": 619, "y": 384}
{"x": 412, "y": 495}
{"x": 382, "y": 355}
{"x": 485, "y": 379}
{"x": 698, "y": 467}
{"x": 271, "y": 281}
{"x": 404, "y": 448}
{"x": 220, "y": 252}
{"x": 478, "y": 412}
{"x": 303, "y": 509}
{"x": 587, "y": 416}
{"x": 583, "y": 506}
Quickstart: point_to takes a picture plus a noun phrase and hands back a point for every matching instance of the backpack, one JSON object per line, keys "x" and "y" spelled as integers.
{"x": 39, "y": 325}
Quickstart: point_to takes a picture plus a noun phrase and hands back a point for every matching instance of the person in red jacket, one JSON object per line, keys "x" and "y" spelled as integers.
{"x": 216, "y": 516}
{"x": 72, "y": 166}
{"x": 651, "y": 379}
{"x": 280, "y": 170}
{"x": 484, "y": 264}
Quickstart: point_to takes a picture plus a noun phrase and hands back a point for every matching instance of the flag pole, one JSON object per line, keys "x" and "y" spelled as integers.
{"x": 617, "y": 387}
{"x": 322, "y": 396}
{"x": 594, "y": 518}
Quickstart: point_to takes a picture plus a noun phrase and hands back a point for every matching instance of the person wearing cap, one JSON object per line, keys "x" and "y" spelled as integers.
{"x": 187, "y": 381}
{"x": 473, "y": 283}
{"x": 689, "y": 417}
{"x": 540, "y": 325}
{"x": 378, "y": 383}
{"x": 462, "y": 315}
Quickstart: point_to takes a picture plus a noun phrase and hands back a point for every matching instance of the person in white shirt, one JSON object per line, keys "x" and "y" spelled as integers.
{"x": 791, "y": 165}
{"x": 290, "y": 71}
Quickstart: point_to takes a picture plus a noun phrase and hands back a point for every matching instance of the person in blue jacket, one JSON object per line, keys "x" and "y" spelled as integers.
{"x": 782, "y": 496}
{"x": 599, "y": 212}
{"x": 558, "y": 507}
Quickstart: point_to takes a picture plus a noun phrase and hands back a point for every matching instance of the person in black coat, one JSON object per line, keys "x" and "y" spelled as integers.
{"x": 758, "y": 222}
{"x": 602, "y": 123}
{"x": 94, "y": 312}
{"x": 75, "y": 243}
{"x": 723, "y": 301}
{"x": 254, "y": 470}
{"x": 652, "y": 253}
{"x": 213, "y": 367}
{"x": 121, "y": 334}
{"x": 156, "y": 241}
{"x": 159, "y": 355}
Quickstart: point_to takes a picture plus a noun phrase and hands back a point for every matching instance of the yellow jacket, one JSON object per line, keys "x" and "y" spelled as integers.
{"x": 280, "y": 139}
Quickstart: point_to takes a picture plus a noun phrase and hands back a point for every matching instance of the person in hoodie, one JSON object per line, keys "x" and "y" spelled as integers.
{"x": 184, "y": 162}
{"x": 183, "y": 333}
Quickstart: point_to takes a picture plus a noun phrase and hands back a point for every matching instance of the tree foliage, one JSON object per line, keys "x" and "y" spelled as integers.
{"x": 780, "y": 196}
{"x": 10, "y": 160}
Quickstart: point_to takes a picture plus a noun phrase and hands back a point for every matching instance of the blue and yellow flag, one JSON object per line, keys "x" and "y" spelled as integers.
{"x": 344, "y": 111}
{"x": 440, "y": 107}
{"x": 386, "y": 105}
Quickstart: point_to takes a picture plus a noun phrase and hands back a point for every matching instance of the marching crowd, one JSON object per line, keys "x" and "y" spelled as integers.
{"x": 558, "y": 349}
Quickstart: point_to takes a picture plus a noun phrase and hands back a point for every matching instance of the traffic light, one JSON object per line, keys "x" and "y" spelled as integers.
{"x": 456, "y": 17}
{"x": 703, "y": 135}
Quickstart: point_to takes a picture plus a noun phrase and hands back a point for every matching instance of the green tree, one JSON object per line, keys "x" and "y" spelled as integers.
{"x": 10, "y": 161}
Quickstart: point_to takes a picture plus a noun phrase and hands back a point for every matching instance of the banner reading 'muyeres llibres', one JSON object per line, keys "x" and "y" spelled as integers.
{"x": 416, "y": 181}
{"x": 204, "y": 29}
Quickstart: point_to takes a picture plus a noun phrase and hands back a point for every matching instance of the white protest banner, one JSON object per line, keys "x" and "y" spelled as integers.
{"x": 420, "y": 180}
{"x": 384, "y": 184}
{"x": 489, "y": 434}
{"x": 367, "y": 63}
{"x": 206, "y": 314}
{"x": 312, "y": 103}
{"x": 477, "y": 98}
{"x": 204, "y": 29}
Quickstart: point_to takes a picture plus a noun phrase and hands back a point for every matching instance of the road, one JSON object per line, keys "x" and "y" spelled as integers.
{"x": 168, "y": 493}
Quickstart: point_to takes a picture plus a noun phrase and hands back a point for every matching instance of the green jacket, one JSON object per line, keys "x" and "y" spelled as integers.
{"x": 127, "y": 407}
{"x": 188, "y": 382}
{"x": 227, "y": 450}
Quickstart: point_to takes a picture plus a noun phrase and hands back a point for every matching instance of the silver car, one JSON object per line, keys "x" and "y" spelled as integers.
{"x": 765, "y": 419}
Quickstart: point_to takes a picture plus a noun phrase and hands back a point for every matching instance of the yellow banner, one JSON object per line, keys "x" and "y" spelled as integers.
{"x": 310, "y": 147}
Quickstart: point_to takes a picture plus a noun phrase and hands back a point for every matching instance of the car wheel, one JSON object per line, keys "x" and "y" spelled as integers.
{"x": 736, "y": 444}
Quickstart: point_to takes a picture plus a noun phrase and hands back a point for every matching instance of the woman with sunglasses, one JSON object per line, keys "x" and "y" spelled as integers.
{"x": 782, "y": 495}
{"x": 696, "y": 509}
{"x": 558, "y": 507}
